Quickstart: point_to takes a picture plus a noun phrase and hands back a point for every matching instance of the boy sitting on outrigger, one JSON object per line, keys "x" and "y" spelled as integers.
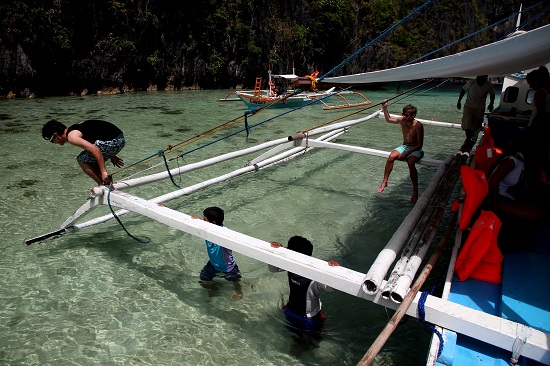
{"x": 410, "y": 151}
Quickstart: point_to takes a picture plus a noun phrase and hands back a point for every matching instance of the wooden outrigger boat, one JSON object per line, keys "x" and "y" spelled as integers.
{"x": 292, "y": 91}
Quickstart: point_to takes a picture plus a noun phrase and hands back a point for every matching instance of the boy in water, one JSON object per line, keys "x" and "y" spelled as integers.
{"x": 410, "y": 151}
{"x": 303, "y": 309}
{"x": 221, "y": 260}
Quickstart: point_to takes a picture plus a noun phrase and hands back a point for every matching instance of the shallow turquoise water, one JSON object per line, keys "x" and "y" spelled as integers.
{"x": 97, "y": 296}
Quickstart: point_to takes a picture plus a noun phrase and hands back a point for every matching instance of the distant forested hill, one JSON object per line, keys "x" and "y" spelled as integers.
{"x": 63, "y": 47}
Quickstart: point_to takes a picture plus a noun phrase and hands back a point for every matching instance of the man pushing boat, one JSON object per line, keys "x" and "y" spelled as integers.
{"x": 100, "y": 140}
{"x": 410, "y": 151}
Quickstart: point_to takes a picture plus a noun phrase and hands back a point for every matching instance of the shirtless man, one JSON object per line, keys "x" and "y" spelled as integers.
{"x": 410, "y": 151}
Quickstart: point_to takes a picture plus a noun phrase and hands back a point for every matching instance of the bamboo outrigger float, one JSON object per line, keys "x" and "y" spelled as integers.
{"x": 497, "y": 331}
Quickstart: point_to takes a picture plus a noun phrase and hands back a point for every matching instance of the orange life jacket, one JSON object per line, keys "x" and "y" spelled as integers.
{"x": 476, "y": 187}
{"x": 486, "y": 153}
{"x": 480, "y": 257}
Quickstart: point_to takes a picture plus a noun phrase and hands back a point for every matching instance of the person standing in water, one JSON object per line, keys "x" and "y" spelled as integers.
{"x": 411, "y": 149}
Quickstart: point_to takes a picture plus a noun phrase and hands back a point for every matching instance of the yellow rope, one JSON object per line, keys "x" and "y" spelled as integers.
{"x": 172, "y": 148}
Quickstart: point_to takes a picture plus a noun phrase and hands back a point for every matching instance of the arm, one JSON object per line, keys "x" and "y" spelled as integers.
{"x": 505, "y": 167}
{"x": 271, "y": 268}
{"x": 491, "y": 97}
{"x": 322, "y": 286}
{"x": 539, "y": 100}
{"x": 387, "y": 114}
{"x": 75, "y": 138}
{"x": 462, "y": 93}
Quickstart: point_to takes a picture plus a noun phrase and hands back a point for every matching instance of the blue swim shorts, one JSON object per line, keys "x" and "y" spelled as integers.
{"x": 418, "y": 153}
{"x": 209, "y": 272}
{"x": 108, "y": 150}
{"x": 303, "y": 325}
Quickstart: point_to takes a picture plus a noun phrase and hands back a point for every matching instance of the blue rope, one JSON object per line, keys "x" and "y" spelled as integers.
{"x": 421, "y": 317}
{"x": 382, "y": 35}
{"x": 169, "y": 173}
{"x": 120, "y": 222}
{"x": 250, "y": 127}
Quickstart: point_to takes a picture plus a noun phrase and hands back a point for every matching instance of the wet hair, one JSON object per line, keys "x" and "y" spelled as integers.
{"x": 51, "y": 127}
{"x": 410, "y": 108}
{"x": 214, "y": 215}
{"x": 301, "y": 245}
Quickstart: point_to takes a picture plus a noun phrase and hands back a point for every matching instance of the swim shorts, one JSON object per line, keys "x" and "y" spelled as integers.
{"x": 418, "y": 153}
{"x": 303, "y": 325}
{"x": 108, "y": 150}
{"x": 209, "y": 272}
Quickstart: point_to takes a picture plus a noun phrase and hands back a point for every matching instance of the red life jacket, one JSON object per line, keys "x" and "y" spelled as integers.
{"x": 486, "y": 153}
{"x": 480, "y": 257}
{"x": 476, "y": 187}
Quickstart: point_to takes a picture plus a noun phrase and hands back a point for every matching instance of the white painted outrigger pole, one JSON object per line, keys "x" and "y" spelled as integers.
{"x": 387, "y": 256}
{"x": 488, "y": 328}
{"x": 473, "y": 323}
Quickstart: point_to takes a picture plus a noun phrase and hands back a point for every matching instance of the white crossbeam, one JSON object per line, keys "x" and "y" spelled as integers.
{"x": 473, "y": 323}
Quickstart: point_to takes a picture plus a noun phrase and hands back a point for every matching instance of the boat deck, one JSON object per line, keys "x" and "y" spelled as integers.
{"x": 522, "y": 297}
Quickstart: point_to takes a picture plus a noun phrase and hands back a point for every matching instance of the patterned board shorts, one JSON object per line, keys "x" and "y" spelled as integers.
{"x": 108, "y": 150}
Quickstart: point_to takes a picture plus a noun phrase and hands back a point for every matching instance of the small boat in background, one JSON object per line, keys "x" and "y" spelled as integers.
{"x": 293, "y": 91}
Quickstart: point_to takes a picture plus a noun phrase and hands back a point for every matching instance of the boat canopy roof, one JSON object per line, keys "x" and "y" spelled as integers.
{"x": 522, "y": 51}
{"x": 289, "y": 77}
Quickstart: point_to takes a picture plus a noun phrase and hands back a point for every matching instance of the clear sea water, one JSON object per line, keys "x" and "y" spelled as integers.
{"x": 99, "y": 297}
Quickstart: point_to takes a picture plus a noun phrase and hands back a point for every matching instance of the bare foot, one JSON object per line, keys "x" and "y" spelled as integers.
{"x": 414, "y": 198}
{"x": 238, "y": 295}
{"x": 382, "y": 187}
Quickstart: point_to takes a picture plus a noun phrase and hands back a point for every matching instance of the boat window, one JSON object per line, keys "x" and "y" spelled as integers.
{"x": 530, "y": 96}
{"x": 511, "y": 94}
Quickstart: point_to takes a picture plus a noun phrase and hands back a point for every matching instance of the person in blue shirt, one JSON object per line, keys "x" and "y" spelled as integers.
{"x": 221, "y": 261}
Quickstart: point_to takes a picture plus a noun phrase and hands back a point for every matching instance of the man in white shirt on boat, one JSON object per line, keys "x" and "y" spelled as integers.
{"x": 474, "y": 108}
{"x": 410, "y": 151}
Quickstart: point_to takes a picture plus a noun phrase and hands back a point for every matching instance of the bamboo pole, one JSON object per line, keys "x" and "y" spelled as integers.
{"x": 407, "y": 301}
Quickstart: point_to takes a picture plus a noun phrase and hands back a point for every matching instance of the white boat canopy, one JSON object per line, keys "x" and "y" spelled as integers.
{"x": 290, "y": 77}
{"x": 527, "y": 50}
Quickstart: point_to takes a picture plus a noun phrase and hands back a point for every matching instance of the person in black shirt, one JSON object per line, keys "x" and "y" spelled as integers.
{"x": 101, "y": 140}
{"x": 303, "y": 309}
